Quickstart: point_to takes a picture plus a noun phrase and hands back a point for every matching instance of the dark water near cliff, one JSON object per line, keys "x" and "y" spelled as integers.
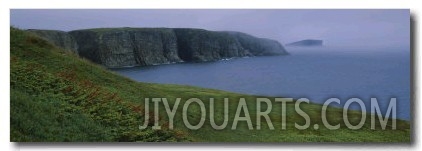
{"x": 314, "y": 73}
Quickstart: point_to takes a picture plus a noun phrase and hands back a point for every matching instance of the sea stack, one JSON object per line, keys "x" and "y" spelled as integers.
{"x": 306, "y": 43}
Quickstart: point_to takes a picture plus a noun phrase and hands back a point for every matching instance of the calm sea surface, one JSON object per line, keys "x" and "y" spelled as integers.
{"x": 314, "y": 73}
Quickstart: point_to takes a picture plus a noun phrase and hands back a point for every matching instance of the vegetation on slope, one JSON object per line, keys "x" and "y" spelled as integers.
{"x": 57, "y": 96}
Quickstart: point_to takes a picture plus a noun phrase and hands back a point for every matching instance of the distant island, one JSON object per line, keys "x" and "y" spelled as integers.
{"x": 306, "y": 43}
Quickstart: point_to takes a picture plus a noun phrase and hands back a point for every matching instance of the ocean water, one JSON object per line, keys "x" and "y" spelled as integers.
{"x": 313, "y": 73}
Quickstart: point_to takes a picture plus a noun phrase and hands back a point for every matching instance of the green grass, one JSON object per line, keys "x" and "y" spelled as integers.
{"x": 57, "y": 96}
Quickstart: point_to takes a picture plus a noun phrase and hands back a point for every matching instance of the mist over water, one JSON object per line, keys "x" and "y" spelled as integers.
{"x": 316, "y": 73}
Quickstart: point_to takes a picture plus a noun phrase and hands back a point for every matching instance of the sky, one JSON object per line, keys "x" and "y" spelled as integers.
{"x": 337, "y": 27}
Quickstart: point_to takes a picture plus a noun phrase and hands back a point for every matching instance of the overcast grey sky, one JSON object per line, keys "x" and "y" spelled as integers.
{"x": 335, "y": 27}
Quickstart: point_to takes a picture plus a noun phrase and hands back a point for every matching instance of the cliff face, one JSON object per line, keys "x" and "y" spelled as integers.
{"x": 58, "y": 38}
{"x": 119, "y": 47}
{"x": 259, "y": 46}
{"x": 200, "y": 45}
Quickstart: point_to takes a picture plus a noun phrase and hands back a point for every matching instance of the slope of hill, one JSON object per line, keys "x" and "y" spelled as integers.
{"x": 58, "y": 96}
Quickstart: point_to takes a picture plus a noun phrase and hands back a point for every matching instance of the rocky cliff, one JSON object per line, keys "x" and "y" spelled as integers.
{"x": 119, "y": 47}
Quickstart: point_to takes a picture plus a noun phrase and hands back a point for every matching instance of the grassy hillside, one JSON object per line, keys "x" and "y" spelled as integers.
{"x": 57, "y": 96}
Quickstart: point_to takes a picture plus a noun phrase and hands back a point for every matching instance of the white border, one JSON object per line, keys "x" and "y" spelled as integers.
{"x": 137, "y": 4}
